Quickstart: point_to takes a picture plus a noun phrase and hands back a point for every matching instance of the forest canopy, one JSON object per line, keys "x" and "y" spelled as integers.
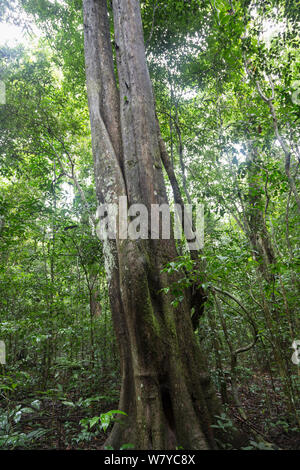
{"x": 148, "y": 342}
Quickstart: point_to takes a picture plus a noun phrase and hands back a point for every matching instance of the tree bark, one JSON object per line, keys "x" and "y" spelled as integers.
{"x": 166, "y": 390}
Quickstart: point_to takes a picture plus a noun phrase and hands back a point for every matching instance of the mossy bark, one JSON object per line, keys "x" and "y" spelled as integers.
{"x": 166, "y": 390}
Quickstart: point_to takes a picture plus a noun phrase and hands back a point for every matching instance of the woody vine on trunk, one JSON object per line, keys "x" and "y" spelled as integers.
{"x": 166, "y": 390}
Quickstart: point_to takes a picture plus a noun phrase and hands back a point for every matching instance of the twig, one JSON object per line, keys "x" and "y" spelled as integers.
{"x": 152, "y": 26}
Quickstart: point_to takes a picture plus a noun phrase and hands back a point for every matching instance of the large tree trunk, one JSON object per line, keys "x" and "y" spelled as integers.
{"x": 166, "y": 390}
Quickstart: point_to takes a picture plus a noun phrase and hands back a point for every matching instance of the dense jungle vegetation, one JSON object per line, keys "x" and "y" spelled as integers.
{"x": 226, "y": 80}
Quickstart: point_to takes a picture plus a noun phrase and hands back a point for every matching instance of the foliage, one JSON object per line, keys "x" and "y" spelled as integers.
{"x": 211, "y": 64}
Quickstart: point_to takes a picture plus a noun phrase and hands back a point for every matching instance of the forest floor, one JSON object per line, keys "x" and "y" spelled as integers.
{"x": 266, "y": 413}
{"x": 62, "y": 421}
